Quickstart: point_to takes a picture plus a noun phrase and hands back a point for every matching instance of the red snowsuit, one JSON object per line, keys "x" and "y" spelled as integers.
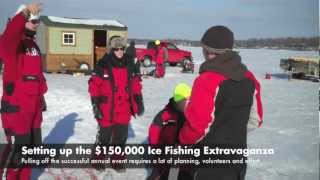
{"x": 23, "y": 68}
{"x": 116, "y": 89}
{"x": 23, "y": 85}
{"x": 160, "y": 60}
{"x": 164, "y": 127}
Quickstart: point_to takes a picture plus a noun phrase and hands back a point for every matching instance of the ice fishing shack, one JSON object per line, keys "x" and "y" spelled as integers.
{"x": 74, "y": 44}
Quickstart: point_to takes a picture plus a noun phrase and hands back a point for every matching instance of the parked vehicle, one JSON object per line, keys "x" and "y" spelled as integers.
{"x": 175, "y": 55}
{"x": 301, "y": 67}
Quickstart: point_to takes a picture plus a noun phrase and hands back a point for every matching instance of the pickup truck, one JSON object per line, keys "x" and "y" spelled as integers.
{"x": 175, "y": 55}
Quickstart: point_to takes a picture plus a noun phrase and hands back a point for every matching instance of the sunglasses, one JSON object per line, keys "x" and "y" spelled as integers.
{"x": 117, "y": 49}
{"x": 35, "y": 21}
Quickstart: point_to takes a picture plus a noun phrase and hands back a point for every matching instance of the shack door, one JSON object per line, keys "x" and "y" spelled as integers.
{"x": 100, "y": 44}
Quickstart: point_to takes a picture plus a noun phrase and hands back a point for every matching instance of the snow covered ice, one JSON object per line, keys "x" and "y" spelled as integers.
{"x": 291, "y": 118}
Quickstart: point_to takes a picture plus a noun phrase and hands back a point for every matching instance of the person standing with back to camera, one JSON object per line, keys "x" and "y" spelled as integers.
{"x": 225, "y": 97}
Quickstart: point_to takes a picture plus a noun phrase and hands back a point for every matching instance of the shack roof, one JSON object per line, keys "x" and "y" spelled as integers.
{"x": 82, "y": 23}
{"x": 305, "y": 59}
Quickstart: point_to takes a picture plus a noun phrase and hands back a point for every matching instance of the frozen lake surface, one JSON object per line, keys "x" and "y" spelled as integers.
{"x": 291, "y": 118}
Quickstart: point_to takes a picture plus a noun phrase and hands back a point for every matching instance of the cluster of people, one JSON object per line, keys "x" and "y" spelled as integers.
{"x": 223, "y": 101}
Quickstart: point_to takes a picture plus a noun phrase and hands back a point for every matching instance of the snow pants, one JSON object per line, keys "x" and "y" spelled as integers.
{"x": 115, "y": 134}
{"x": 160, "y": 70}
{"x": 112, "y": 135}
{"x": 11, "y": 156}
{"x": 20, "y": 116}
{"x": 21, "y": 119}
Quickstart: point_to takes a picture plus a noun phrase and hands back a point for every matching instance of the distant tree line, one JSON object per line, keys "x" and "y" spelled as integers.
{"x": 311, "y": 43}
{"x": 281, "y": 43}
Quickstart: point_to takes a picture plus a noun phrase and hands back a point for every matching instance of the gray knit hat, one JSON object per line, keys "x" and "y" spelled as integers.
{"x": 118, "y": 42}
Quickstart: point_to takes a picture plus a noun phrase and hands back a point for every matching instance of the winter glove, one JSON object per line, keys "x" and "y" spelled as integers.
{"x": 139, "y": 101}
{"x": 6, "y": 107}
{"x": 95, "y": 106}
{"x": 43, "y": 104}
{"x": 9, "y": 88}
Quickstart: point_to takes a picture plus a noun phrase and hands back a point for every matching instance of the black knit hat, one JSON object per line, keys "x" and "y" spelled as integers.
{"x": 217, "y": 39}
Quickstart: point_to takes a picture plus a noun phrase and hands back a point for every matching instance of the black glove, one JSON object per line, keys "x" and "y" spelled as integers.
{"x": 95, "y": 106}
{"x": 139, "y": 101}
{"x": 6, "y": 107}
{"x": 43, "y": 104}
{"x": 9, "y": 88}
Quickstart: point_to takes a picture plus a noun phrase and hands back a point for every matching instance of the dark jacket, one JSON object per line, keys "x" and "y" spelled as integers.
{"x": 223, "y": 95}
{"x": 131, "y": 50}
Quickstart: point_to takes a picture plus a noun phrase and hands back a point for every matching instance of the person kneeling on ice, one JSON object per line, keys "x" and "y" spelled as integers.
{"x": 116, "y": 95}
{"x": 165, "y": 127}
{"x": 24, "y": 86}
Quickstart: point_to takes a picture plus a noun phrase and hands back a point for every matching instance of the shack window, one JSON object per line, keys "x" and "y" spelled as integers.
{"x": 69, "y": 38}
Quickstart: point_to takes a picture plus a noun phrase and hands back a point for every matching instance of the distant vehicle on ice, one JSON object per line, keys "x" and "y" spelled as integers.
{"x": 301, "y": 67}
{"x": 175, "y": 55}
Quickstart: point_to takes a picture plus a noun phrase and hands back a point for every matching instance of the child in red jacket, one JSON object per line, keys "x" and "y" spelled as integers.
{"x": 165, "y": 127}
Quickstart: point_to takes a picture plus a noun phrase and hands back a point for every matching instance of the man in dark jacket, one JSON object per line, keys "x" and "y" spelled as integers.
{"x": 23, "y": 82}
{"x": 131, "y": 50}
{"x": 116, "y": 95}
{"x": 224, "y": 96}
{"x": 131, "y": 53}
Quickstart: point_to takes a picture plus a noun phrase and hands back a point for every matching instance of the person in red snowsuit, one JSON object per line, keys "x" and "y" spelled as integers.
{"x": 116, "y": 96}
{"x": 225, "y": 97}
{"x": 161, "y": 55}
{"x": 165, "y": 128}
{"x": 23, "y": 83}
